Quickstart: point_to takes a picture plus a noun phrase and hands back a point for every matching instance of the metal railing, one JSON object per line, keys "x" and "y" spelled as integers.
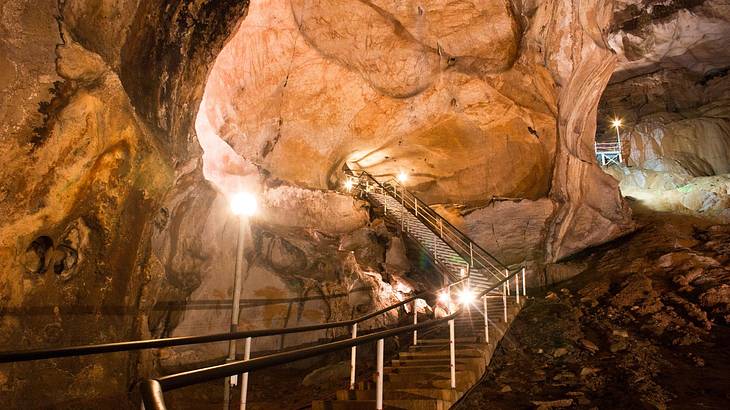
{"x": 609, "y": 153}
{"x": 474, "y": 255}
{"x": 153, "y": 389}
{"x": 478, "y": 260}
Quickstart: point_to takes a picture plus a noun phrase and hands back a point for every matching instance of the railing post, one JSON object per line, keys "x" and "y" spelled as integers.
{"x": 452, "y": 353}
{"x": 524, "y": 287}
{"x": 471, "y": 255}
{"x": 244, "y": 377}
{"x": 353, "y": 358}
{"x": 506, "y": 275}
{"x": 504, "y": 300}
{"x": 415, "y": 206}
{"x": 486, "y": 319}
{"x": 402, "y": 208}
{"x": 415, "y": 322}
{"x": 379, "y": 383}
{"x": 517, "y": 288}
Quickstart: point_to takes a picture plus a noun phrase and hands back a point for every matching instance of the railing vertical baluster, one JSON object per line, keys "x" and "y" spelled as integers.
{"x": 524, "y": 287}
{"x": 486, "y": 319}
{"x": 471, "y": 255}
{"x": 244, "y": 377}
{"x": 452, "y": 353}
{"x": 415, "y": 206}
{"x": 506, "y": 275}
{"x": 353, "y": 358}
{"x": 517, "y": 288}
{"x": 415, "y": 322}
{"x": 379, "y": 383}
{"x": 402, "y": 208}
{"x": 504, "y": 300}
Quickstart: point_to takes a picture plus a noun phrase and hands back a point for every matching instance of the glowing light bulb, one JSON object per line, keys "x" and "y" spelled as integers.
{"x": 616, "y": 122}
{"x": 444, "y": 297}
{"x": 348, "y": 185}
{"x": 402, "y": 177}
{"x": 466, "y": 297}
{"x": 243, "y": 203}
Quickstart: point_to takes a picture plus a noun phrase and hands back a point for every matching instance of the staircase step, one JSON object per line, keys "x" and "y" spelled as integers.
{"x": 458, "y": 340}
{"x": 450, "y": 395}
{"x": 426, "y": 404}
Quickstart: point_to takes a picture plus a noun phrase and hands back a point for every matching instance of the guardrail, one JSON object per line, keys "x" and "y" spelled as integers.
{"x": 153, "y": 389}
{"x": 475, "y": 255}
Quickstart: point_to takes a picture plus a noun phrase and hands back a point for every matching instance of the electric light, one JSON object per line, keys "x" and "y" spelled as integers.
{"x": 616, "y": 122}
{"x": 348, "y": 185}
{"x": 402, "y": 177}
{"x": 243, "y": 203}
{"x": 466, "y": 297}
{"x": 444, "y": 297}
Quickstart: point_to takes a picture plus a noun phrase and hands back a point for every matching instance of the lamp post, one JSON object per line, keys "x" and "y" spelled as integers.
{"x": 616, "y": 123}
{"x": 243, "y": 205}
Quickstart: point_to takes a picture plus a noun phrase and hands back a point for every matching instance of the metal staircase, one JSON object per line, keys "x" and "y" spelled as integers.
{"x": 458, "y": 257}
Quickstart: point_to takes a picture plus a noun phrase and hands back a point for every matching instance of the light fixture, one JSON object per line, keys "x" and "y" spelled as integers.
{"x": 466, "y": 296}
{"x": 243, "y": 203}
{"x": 616, "y": 122}
{"x": 444, "y": 297}
{"x": 348, "y": 184}
{"x": 402, "y": 177}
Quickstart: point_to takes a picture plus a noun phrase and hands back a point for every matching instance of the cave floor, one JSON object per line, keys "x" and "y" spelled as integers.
{"x": 644, "y": 326}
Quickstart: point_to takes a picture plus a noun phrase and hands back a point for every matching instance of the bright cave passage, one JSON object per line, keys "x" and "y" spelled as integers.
{"x": 365, "y": 204}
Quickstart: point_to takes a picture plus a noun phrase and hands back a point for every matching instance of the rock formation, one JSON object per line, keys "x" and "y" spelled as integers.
{"x": 126, "y": 126}
{"x": 673, "y": 92}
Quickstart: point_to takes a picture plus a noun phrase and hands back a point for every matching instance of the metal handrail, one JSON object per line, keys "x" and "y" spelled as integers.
{"x": 153, "y": 389}
{"x": 460, "y": 239}
{"x": 83, "y": 350}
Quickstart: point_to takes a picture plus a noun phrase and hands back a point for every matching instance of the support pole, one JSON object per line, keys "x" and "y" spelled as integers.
{"x": 618, "y": 138}
{"x": 452, "y": 353}
{"x": 506, "y": 275}
{"x": 524, "y": 287}
{"x": 353, "y": 358}
{"x": 415, "y": 322}
{"x": 232, "y": 381}
{"x": 244, "y": 377}
{"x": 486, "y": 319}
{"x": 379, "y": 383}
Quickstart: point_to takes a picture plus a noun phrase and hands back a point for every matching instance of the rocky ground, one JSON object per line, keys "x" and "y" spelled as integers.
{"x": 644, "y": 326}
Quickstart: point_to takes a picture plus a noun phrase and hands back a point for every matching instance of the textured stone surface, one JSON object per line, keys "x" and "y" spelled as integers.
{"x": 467, "y": 125}
{"x": 82, "y": 182}
{"x": 109, "y": 230}
{"x": 306, "y": 93}
{"x": 676, "y": 140}
{"x": 690, "y": 35}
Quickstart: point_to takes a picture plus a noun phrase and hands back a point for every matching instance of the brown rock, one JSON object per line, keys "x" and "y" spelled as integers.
{"x": 553, "y": 404}
{"x": 588, "y": 345}
{"x": 560, "y": 352}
